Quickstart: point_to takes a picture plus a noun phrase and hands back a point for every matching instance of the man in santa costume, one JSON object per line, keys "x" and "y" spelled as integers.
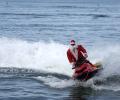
{"x": 76, "y": 54}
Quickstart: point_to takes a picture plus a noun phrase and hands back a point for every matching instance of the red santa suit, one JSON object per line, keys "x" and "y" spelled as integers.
{"x": 77, "y": 57}
{"x": 77, "y": 54}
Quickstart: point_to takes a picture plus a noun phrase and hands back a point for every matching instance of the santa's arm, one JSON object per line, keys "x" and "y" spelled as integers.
{"x": 84, "y": 52}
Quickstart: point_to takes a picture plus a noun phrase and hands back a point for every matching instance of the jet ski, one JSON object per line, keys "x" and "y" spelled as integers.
{"x": 86, "y": 71}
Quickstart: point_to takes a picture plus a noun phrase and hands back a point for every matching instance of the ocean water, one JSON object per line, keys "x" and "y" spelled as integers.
{"x": 34, "y": 38}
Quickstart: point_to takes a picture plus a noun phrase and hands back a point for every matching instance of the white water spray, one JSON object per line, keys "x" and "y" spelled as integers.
{"x": 51, "y": 57}
{"x": 109, "y": 56}
{"x": 47, "y": 57}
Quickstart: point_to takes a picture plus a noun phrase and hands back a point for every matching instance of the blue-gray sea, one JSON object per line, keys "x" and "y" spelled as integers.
{"x": 34, "y": 38}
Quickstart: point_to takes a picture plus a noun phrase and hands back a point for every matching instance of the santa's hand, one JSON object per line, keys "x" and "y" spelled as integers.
{"x": 85, "y": 55}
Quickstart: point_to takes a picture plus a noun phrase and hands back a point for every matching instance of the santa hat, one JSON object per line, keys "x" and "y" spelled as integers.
{"x": 72, "y": 42}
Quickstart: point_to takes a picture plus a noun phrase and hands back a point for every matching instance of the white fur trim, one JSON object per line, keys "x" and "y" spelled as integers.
{"x": 74, "y": 53}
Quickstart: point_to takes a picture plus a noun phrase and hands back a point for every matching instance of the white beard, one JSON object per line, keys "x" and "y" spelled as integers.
{"x": 74, "y": 51}
{"x": 73, "y": 47}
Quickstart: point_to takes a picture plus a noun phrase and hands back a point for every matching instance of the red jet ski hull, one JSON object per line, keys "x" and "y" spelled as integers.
{"x": 85, "y": 72}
